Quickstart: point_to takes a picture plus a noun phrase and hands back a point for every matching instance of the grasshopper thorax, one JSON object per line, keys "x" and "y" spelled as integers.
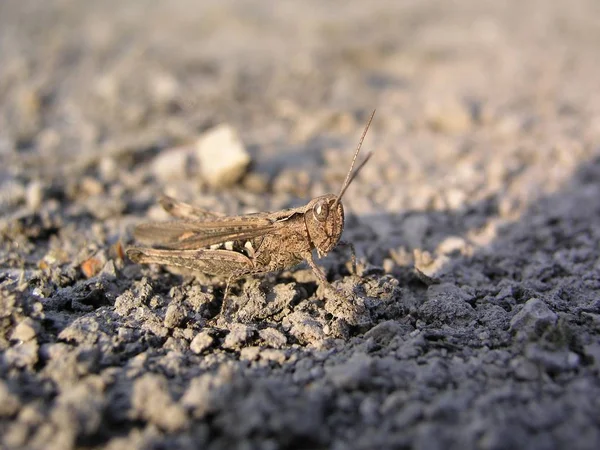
{"x": 324, "y": 219}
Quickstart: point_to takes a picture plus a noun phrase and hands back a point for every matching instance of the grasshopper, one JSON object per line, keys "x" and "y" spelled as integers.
{"x": 237, "y": 246}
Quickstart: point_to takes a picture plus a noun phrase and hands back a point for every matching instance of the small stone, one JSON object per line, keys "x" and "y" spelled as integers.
{"x": 126, "y": 334}
{"x": 79, "y": 409}
{"x": 9, "y": 403}
{"x": 455, "y": 198}
{"x": 525, "y": 369}
{"x": 208, "y": 393}
{"x": 351, "y": 310}
{"x": 451, "y": 245}
{"x": 12, "y": 193}
{"x": 18, "y": 435}
{"x": 427, "y": 268}
{"x": 22, "y": 355}
{"x": 304, "y": 327}
{"x": 25, "y": 331}
{"x": 509, "y": 125}
{"x": 448, "y": 304}
{"x": 28, "y": 105}
{"x": 238, "y": 335}
{"x": 552, "y": 361}
{"x": 34, "y": 195}
{"x": 48, "y": 140}
{"x": 175, "y": 315}
{"x": 165, "y": 88}
{"x": 384, "y": 332}
{"x": 250, "y": 353}
{"x": 272, "y": 337}
{"x": 201, "y": 342}
{"x": 256, "y": 183}
{"x": 388, "y": 265}
{"x": 151, "y": 401}
{"x": 126, "y": 302}
{"x": 484, "y": 335}
{"x": 175, "y": 345}
{"x": 91, "y": 186}
{"x": 172, "y": 163}
{"x": 508, "y": 206}
{"x": 592, "y": 351}
{"x": 108, "y": 169}
{"x": 352, "y": 373}
{"x": 91, "y": 266}
{"x": 339, "y": 329}
{"x": 533, "y": 319}
{"x": 451, "y": 116}
{"x": 101, "y": 209}
{"x": 368, "y": 409}
{"x": 271, "y": 354}
{"x": 109, "y": 271}
{"x": 222, "y": 156}
{"x": 84, "y": 330}
{"x": 401, "y": 256}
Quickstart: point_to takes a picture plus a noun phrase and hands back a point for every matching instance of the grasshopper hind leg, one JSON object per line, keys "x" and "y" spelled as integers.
{"x": 226, "y": 291}
{"x": 226, "y": 302}
{"x": 220, "y": 263}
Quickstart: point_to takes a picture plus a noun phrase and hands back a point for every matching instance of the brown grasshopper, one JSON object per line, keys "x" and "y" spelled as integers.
{"x": 237, "y": 246}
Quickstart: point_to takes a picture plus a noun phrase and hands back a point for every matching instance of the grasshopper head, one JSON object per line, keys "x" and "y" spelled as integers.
{"x": 324, "y": 216}
{"x": 324, "y": 220}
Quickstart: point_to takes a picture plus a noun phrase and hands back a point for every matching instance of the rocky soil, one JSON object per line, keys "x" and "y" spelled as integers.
{"x": 474, "y": 319}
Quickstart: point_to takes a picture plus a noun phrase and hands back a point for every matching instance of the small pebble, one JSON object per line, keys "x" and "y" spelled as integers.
{"x": 534, "y": 318}
{"x": 272, "y": 337}
{"x": 172, "y": 163}
{"x": 201, "y": 342}
{"x": 9, "y": 403}
{"x": 256, "y": 183}
{"x": 108, "y": 169}
{"x": 238, "y": 335}
{"x": 250, "y": 353}
{"x": 451, "y": 116}
{"x": 34, "y": 195}
{"x": 271, "y": 354}
{"x": 91, "y": 186}
{"x": 222, "y": 156}
{"x": 25, "y": 331}
{"x": 175, "y": 315}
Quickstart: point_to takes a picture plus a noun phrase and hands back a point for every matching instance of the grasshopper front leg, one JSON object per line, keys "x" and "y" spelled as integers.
{"x": 317, "y": 270}
{"x": 352, "y": 255}
{"x": 321, "y": 277}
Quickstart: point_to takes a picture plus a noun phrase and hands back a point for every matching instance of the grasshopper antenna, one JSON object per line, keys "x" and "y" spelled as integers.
{"x": 351, "y": 175}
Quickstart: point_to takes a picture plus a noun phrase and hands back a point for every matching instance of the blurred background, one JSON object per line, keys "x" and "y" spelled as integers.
{"x": 476, "y": 100}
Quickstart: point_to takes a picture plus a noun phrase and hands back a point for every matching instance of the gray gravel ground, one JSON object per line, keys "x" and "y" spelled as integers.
{"x": 475, "y": 321}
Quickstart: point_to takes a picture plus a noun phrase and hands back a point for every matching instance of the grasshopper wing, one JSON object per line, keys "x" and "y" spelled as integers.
{"x": 191, "y": 235}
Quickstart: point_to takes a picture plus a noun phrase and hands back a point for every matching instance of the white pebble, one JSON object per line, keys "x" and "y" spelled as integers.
{"x": 222, "y": 157}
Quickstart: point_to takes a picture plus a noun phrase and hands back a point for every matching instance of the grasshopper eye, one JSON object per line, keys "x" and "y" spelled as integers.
{"x": 321, "y": 211}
